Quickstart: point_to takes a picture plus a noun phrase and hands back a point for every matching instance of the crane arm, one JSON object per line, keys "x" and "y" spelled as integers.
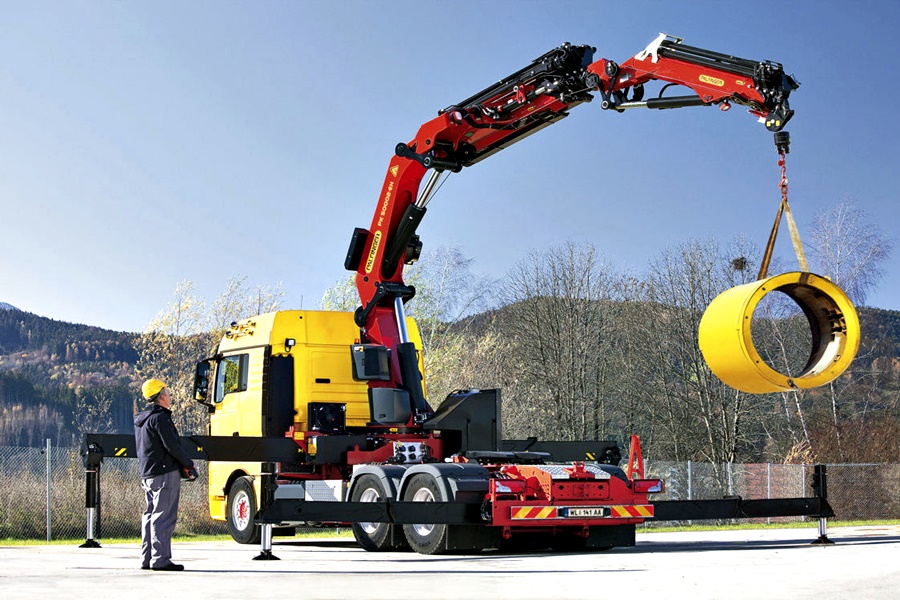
{"x": 497, "y": 117}
{"x": 715, "y": 78}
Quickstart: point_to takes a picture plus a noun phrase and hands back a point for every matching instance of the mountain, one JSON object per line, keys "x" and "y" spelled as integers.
{"x": 5, "y": 306}
{"x": 881, "y": 332}
{"x": 57, "y": 378}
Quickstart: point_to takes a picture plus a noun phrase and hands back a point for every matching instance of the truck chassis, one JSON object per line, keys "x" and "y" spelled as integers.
{"x": 469, "y": 515}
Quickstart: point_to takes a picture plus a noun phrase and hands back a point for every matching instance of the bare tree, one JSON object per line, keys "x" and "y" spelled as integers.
{"x": 466, "y": 359}
{"x": 850, "y": 249}
{"x": 560, "y": 307}
{"x": 264, "y": 299}
{"x": 169, "y": 348}
{"x": 701, "y": 416}
{"x": 238, "y": 301}
{"x": 447, "y": 293}
{"x": 341, "y": 296}
{"x": 184, "y": 333}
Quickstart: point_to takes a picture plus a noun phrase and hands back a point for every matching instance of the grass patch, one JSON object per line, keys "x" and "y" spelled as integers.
{"x": 750, "y": 526}
{"x": 315, "y": 534}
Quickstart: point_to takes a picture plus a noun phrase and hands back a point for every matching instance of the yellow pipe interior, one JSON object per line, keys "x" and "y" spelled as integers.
{"x": 727, "y": 343}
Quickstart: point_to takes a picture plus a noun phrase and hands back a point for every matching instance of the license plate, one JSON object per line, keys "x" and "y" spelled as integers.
{"x": 581, "y": 512}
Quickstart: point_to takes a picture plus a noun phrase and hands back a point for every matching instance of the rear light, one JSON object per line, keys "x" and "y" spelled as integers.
{"x": 647, "y": 486}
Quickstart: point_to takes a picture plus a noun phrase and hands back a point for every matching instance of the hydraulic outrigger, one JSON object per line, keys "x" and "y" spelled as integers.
{"x": 271, "y": 451}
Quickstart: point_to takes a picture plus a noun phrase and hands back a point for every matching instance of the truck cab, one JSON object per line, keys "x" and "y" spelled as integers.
{"x": 281, "y": 374}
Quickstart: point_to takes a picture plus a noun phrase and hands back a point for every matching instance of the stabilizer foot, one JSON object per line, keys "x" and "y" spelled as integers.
{"x": 822, "y": 540}
{"x": 265, "y": 550}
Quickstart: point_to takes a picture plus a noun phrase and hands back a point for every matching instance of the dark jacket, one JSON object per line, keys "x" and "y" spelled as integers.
{"x": 158, "y": 445}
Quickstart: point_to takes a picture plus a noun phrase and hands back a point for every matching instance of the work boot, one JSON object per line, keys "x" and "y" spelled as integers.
{"x": 169, "y": 567}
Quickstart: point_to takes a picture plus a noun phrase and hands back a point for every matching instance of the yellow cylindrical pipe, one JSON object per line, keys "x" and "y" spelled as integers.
{"x": 726, "y": 340}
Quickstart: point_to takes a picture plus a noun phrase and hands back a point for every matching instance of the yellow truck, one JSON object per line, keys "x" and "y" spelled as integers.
{"x": 304, "y": 377}
{"x": 281, "y": 374}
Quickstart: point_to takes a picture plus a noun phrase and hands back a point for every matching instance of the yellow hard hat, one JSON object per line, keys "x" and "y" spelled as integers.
{"x": 151, "y": 388}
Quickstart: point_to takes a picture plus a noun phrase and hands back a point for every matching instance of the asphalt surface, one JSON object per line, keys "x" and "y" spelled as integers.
{"x": 863, "y": 562}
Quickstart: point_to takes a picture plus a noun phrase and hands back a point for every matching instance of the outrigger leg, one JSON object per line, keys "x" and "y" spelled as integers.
{"x": 820, "y": 489}
{"x": 266, "y": 498}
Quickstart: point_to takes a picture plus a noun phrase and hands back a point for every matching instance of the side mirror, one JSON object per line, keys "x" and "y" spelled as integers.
{"x": 201, "y": 383}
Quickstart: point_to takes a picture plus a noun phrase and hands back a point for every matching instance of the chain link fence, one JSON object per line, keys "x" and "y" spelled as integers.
{"x": 27, "y": 488}
{"x": 856, "y": 492}
{"x": 31, "y": 477}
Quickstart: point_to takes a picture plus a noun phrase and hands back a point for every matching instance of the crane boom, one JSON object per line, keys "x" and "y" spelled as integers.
{"x": 495, "y": 118}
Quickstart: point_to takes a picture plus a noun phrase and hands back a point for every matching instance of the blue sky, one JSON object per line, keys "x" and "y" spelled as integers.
{"x": 145, "y": 143}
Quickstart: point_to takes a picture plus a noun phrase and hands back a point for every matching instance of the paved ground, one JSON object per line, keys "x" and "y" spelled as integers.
{"x": 863, "y": 563}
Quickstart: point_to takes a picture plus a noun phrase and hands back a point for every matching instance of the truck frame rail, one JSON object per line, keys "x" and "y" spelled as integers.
{"x": 270, "y": 450}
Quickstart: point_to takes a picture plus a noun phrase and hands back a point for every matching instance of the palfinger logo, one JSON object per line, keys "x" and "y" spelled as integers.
{"x": 712, "y": 80}
{"x": 376, "y": 241}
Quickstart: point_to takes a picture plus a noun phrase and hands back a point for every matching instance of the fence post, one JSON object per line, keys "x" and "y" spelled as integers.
{"x": 768, "y": 487}
{"x": 802, "y": 493}
{"x": 690, "y": 482}
{"x": 49, "y": 465}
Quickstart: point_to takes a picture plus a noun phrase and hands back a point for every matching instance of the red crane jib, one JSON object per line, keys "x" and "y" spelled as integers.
{"x": 521, "y": 104}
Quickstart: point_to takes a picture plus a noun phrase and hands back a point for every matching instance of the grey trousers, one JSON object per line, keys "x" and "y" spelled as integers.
{"x": 159, "y": 518}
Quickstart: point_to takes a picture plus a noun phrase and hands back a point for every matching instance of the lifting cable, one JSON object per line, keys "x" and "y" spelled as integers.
{"x": 783, "y": 208}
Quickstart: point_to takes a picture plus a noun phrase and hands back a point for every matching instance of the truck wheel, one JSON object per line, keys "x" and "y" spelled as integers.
{"x": 428, "y": 538}
{"x": 373, "y": 537}
{"x": 240, "y": 512}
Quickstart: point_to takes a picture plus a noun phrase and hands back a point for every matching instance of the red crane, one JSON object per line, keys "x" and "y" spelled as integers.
{"x": 495, "y": 118}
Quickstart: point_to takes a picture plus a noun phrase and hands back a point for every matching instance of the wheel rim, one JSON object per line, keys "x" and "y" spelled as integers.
{"x": 370, "y": 495}
{"x": 241, "y": 513}
{"x": 423, "y": 495}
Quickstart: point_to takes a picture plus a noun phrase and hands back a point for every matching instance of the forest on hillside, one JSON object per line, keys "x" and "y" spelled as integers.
{"x": 58, "y": 379}
{"x": 579, "y": 349}
{"x": 61, "y": 380}
{"x": 44, "y": 394}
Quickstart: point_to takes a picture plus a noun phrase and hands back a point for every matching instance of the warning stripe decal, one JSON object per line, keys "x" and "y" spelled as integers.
{"x": 534, "y": 512}
{"x": 631, "y": 511}
{"x": 550, "y": 512}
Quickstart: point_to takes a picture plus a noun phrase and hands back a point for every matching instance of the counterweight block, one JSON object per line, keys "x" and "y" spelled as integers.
{"x": 726, "y": 340}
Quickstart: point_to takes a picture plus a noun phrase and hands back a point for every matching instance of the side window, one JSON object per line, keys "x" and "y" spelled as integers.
{"x": 231, "y": 375}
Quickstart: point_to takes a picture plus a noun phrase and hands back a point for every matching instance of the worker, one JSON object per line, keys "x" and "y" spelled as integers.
{"x": 163, "y": 464}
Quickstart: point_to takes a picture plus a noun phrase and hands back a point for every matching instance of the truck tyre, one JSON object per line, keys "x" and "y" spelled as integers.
{"x": 240, "y": 512}
{"x": 373, "y": 537}
{"x": 424, "y": 538}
